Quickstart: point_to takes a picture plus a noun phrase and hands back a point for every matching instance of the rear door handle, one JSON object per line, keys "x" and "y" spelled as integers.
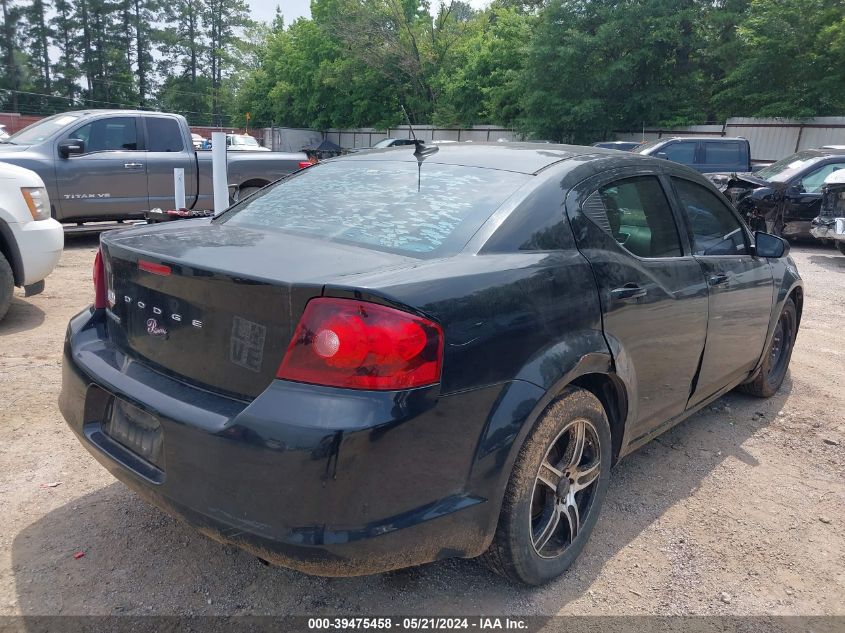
{"x": 628, "y": 291}
{"x": 133, "y": 165}
{"x": 718, "y": 279}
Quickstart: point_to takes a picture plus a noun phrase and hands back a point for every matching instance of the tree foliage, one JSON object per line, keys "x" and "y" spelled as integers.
{"x": 558, "y": 69}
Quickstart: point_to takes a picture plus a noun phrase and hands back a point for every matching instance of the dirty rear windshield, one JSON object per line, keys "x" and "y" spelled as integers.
{"x": 386, "y": 205}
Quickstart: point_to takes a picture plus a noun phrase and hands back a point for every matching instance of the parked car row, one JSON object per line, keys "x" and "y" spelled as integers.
{"x": 783, "y": 198}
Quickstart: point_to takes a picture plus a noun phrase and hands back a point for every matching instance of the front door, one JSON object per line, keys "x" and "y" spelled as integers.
{"x": 741, "y": 288}
{"x": 804, "y": 196}
{"x": 653, "y": 294}
{"x": 109, "y": 179}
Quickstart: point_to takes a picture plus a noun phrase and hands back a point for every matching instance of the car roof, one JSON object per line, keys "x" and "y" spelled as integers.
{"x": 525, "y": 158}
{"x": 702, "y": 138}
{"x": 116, "y": 111}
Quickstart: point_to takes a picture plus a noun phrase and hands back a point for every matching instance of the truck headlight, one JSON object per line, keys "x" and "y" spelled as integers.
{"x": 38, "y": 202}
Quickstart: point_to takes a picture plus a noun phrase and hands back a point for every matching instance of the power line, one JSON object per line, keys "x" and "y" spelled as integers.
{"x": 82, "y": 101}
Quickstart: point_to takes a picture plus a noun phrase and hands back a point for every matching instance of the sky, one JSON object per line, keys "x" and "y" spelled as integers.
{"x": 265, "y": 10}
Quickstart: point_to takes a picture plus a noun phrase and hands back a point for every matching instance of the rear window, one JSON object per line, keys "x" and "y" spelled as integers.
{"x": 163, "y": 135}
{"x": 718, "y": 153}
{"x": 428, "y": 211}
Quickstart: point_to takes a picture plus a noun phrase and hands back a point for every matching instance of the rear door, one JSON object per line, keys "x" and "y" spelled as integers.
{"x": 108, "y": 180}
{"x": 167, "y": 150}
{"x": 652, "y": 291}
{"x": 740, "y": 287}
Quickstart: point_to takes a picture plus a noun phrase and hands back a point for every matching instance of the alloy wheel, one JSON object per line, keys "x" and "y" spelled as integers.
{"x": 564, "y": 488}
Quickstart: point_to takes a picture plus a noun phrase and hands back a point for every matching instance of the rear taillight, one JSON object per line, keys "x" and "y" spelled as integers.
{"x": 360, "y": 345}
{"x": 305, "y": 163}
{"x": 99, "y": 281}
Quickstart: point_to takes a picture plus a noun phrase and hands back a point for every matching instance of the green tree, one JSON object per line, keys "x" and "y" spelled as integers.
{"x": 222, "y": 19}
{"x": 65, "y": 33}
{"x": 37, "y": 34}
{"x": 485, "y": 86}
{"x": 789, "y": 61}
{"x": 598, "y": 66}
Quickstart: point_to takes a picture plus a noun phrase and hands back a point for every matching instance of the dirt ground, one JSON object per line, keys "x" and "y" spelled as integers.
{"x": 739, "y": 510}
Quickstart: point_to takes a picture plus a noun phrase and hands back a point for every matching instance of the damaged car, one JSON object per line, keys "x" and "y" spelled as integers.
{"x": 830, "y": 223}
{"x": 784, "y": 197}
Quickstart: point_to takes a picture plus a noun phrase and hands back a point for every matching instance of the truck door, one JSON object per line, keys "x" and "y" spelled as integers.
{"x": 740, "y": 288}
{"x": 684, "y": 152}
{"x": 166, "y": 151}
{"x": 108, "y": 180}
{"x": 653, "y": 294}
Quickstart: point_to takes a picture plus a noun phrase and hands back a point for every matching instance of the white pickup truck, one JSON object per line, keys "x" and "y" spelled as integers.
{"x": 30, "y": 240}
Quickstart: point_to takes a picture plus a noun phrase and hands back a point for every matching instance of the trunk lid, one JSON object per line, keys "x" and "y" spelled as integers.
{"x": 216, "y": 305}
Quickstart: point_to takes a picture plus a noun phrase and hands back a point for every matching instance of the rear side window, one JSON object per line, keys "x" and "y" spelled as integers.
{"x": 683, "y": 152}
{"x": 103, "y": 135}
{"x": 636, "y": 212}
{"x": 714, "y": 230}
{"x": 427, "y": 210}
{"x": 716, "y": 153}
{"x": 163, "y": 135}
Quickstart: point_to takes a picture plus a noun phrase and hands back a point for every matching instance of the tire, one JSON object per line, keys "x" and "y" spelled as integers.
{"x": 244, "y": 192}
{"x": 841, "y": 247}
{"x": 777, "y": 355}
{"x": 529, "y": 546}
{"x": 7, "y": 286}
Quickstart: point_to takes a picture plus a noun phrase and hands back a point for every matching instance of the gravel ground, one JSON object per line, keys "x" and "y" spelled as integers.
{"x": 739, "y": 510}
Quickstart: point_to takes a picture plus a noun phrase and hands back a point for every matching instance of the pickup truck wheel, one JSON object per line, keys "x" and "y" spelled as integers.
{"x": 244, "y": 192}
{"x": 555, "y": 491}
{"x": 777, "y": 355}
{"x": 841, "y": 247}
{"x": 7, "y": 286}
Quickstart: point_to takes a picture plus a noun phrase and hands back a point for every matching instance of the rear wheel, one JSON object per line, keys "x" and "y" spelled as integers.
{"x": 7, "y": 286}
{"x": 244, "y": 192}
{"x": 777, "y": 356}
{"x": 841, "y": 247}
{"x": 555, "y": 491}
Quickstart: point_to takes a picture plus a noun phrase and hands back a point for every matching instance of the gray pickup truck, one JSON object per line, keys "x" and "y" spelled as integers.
{"x": 117, "y": 164}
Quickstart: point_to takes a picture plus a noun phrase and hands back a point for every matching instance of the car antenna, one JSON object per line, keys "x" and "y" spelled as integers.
{"x": 421, "y": 151}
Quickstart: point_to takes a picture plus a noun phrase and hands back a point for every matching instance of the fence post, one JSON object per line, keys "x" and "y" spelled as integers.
{"x": 179, "y": 187}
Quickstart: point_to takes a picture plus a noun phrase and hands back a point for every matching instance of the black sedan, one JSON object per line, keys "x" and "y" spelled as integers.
{"x": 785, "y": 196}
{"x": 422, "y": 353}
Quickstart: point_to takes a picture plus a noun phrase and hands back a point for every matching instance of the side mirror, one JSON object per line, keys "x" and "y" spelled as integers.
{"x": 662, "y": 155}
{"x": 71, "y": 146}
{"x": 768, "y": 245}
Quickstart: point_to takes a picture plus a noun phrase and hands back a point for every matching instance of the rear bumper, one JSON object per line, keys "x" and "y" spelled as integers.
{"x": 827, "y": 231}
{"x": 327, "y": 481}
